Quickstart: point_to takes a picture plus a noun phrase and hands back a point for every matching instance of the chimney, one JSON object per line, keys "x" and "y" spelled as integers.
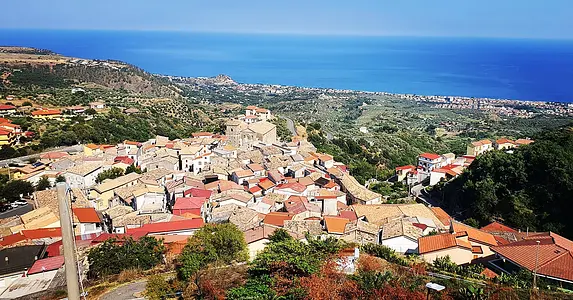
{"x": 452, "y": 230}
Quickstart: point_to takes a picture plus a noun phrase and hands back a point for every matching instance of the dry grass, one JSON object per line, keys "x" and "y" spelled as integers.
{"x": 15, "y": 58}
{"x": 129, "y": 275}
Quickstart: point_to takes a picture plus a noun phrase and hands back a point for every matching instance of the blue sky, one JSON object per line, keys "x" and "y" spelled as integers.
{"x": 469, "y": 18}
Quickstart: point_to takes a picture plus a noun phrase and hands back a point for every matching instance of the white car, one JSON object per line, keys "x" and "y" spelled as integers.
{"x": 13, "y": 205}
{"x": 21, "y": 202}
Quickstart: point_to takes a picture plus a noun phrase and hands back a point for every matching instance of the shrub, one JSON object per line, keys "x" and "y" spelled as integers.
{"x": 384, "y": 252}
{"x": 157, "y": 287}
{"x": 112, "y": 256}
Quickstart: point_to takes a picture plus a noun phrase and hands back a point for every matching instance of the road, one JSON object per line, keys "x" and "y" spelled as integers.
{"x": 24, "y": 159}
{"x": 421, "y": 194}
{"x": 18, "y": 211}
{"x": 290, "y": 126}
{"x": 126, "y": 292}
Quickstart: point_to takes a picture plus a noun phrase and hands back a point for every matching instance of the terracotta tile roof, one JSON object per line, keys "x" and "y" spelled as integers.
{"x": 477, "y": 250}
{"x": 258, "y": 233}
{"x": 295, "y": 186}
{"x": 489, "y": 273}
{"x": 430, "y": 156}
{"x": 133, "y": 143}
{"x": 306, "y": 181}
{"x": 54, "y": 155}
{"x": 325, "y": 157}
{"x": 261, "y": 127}
{"x": 117, "y": 182}
{"x": 243, "y": 173}
{"x": 348, "y": 214}
{"x": 275, "y": 175}
{"x": 504, "y": 141}
{"x": 169, "y": 226}
{"x": 441, "y": 215}
{"x": 475, "y": 234}
{"x": 442, "y": 241}
{"x": 501, "y": 240}
{"x": 497, "y": 227}
{"x": 554, "y": 254}
{"x": 401, "y": 227}
{"x": 277, "y": 218}
{"x": 124, "y": 159}
{"x": 299, "y": 204}
{"x": 40, "y": 233}
{"x": 379, "y": 214}
{"x": 200, "y": 134}
{"x": 189, "y": 202}
{"x": 255, "y": 167}
{"x": 255, "y": 189}
{"x": 86, "y": 215}
{"x": 266, "y": 184}
{"x": 84, "y": 169}
{"x": 335, "y": 224}
{"x": 195, "y": 192}
{"x": 46, "y": 112}
{"x": 46, "y": 264}
{"x": 223, "y": 185}
{"x": 408, "y": 167}
{"x": 330, "y": 185}
{"x": 7, "y": 107}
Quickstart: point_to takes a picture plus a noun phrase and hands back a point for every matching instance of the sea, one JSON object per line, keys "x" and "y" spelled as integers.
{"x": 521, "y": 69}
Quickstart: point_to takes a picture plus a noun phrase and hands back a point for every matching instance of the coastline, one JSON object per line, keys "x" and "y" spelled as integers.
{"x": 349, "y": 91}
{"x": 485, "y": 68}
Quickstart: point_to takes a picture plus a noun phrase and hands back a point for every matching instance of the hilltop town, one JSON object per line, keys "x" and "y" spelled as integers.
{"x": 169, "y": 189}
{"x": 165, "y": 158}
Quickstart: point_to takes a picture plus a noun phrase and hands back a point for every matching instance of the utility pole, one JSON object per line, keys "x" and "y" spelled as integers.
{"x": 536, "y": 262}
{"x": 72, "y": 279}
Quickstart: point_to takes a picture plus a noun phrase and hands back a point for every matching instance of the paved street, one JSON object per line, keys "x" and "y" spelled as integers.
{"x": 290, "y": 126}
{"x": 18, "y": 211}
{"x": 125, "y": 292}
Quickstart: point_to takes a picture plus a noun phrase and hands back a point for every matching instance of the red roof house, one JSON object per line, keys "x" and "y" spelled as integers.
{"x": 194, "y": 205}
{"x": 86, "y": 215}
{"x": 430, "y": 156}
{"x": 549, "y": 254}
{"x": 196, "y": 192}
{"x": 46, "y": 264}
{"x": 498, "y": 227}
{"x": 183, "y": 227}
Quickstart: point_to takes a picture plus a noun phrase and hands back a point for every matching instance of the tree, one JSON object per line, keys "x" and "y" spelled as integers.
{"x": 90, "y": 111}
{"x": 43, "y": 184}
{"x": 527, "y": 189}
{"x": 60, "y": 178}
{"x": 13, "y": 189}
{"x": 213, "y": 243}
{"x": 114, "y": 256}
{"x": 27, "y": 103}
{"x": 472, "y": 222}
{"x": 132, "y": 168}
{"x": 112, "y": 173}
{"x": 279, "y": 235}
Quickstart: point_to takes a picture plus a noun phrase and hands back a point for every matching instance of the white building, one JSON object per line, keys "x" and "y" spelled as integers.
{"x": 83, "y": 176}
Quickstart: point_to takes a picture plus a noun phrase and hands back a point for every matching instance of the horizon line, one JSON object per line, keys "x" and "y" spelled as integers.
{"x": 286, "y": 33}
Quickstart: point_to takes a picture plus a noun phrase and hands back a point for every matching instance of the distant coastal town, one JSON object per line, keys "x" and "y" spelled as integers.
{"x": 501, "y": 107}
